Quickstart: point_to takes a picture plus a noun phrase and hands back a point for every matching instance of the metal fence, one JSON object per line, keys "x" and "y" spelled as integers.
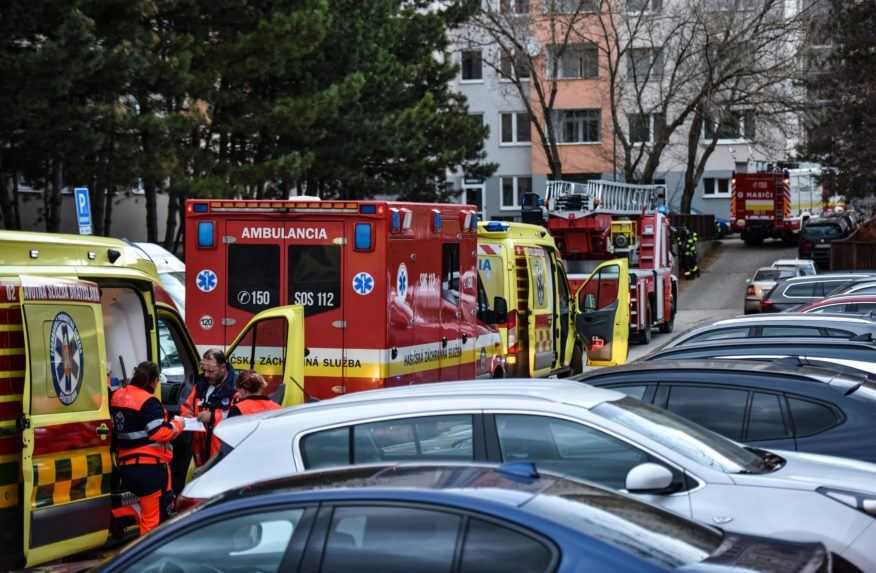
{"x": 703, "y": 225}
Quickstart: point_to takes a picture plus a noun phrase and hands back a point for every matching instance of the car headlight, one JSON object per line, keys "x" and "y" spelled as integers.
{"x": 863, "y": 502}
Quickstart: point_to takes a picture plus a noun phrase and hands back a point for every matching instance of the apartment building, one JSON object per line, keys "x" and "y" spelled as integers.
{"x": 577, "y": 67}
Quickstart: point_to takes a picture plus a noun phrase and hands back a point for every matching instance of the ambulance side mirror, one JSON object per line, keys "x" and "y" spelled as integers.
{"x": 500, "y": 310}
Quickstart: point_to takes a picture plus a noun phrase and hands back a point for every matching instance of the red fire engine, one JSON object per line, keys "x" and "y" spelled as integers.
{"x": 389, "y": 289}
{"x": 600, "y": 220}
{"x": 760, "y": 207}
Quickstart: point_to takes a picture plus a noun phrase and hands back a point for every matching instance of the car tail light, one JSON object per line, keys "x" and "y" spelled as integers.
{"x": 767, "y": 305}
{"x": 751, "y": 291}
{"x": 184, "y": 503}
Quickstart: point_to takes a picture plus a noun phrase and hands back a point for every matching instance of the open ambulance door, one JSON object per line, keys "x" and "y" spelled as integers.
{"x": 540, "y": 325}
{"x": 603, "y": 319}
{"x": 65, "y": 458}
{"x": 272, "y": 344}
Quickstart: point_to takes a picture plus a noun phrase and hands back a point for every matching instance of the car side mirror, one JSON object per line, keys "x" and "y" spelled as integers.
{"x": 649, "y": 478}
{"x": 500, "y": 310}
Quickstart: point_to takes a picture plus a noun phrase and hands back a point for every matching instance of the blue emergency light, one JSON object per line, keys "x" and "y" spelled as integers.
{"x": 201, "y": 208}
{"x": 206, "y": 234}
{"x": 395, "y": 221}
{"x": 368, "y": 209}
{"x": 496, "y": 227}
{"x": 436, "y": 221}
{"x": 362, "y": 241}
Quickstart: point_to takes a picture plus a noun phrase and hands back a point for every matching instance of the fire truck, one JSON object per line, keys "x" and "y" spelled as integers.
{"x": 760, "y": 207}
{"x": 600, "y": 220}
{"x": 389, "y": 289}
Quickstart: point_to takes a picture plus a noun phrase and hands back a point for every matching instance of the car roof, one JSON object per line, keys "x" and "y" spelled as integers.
{"x": 827, "y": 277}
{"x": 788, "y": 317}
{"x": 780, "y": 341}
{"x": 799, "y": 262}
{"x": 419, "y": 398}
{"x": 846, "y": 298}
{"x": 718, "y": 365}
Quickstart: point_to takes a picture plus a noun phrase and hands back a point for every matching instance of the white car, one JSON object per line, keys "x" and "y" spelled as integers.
{"x": 590, "y": 433}
{"x": 171, "y": 271}
{"x": 806, "y": 266}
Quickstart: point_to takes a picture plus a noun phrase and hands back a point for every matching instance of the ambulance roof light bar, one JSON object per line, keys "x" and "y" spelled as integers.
{"x": 496, "y": 227}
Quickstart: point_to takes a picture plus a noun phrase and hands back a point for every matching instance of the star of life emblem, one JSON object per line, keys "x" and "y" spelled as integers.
{"x": 67, "y": 358}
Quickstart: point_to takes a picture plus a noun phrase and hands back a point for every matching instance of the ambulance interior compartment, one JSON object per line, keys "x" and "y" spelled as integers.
{"x": 124, "y": 319}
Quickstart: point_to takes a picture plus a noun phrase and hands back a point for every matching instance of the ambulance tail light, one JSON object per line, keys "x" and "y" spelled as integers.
{"x": 395, "y": 221}
{"x": 511, "y": 325}
{"x": 436, "y": 221}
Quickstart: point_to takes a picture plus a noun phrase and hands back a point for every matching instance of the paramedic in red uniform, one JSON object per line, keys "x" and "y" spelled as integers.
{"x": 142, "y": 435}
{"x": 209, "y": 401}
{"x": 251, "y": 400}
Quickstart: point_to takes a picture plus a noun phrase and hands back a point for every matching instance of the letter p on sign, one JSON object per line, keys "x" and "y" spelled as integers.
{"x": 83, "y": 209}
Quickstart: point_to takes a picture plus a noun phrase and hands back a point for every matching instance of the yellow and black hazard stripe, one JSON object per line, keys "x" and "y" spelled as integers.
{"x": 71, "y": 476}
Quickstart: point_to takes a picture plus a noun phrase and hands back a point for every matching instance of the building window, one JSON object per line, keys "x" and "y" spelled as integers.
{"x": 733, "y": 125}
{"x": 474, "y": 196}
{"x": 716, "y": 187}
{"x": 472, "y": 65}
{"x": 644, "y": 5}
{"x": 646, "y": 128}
{"x": 569, "y": 6}
{"x": 513, "y": 189}
{"x": 515, "y": 127}
{"x": 578, "y": 125}
{"x": 645, "y": 64}
{"x": 514, "y": 6}
{"x": 518, "y": 68}
{"x": 577, "y": 61}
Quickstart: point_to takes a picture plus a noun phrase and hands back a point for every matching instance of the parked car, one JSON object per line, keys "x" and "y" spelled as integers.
{"x": 777, "y": 406}
{"x": 797, "y": 291}
{"x": 761, "y": 282}
{"x": 859, "y": 288}
{"x": 171, "y": 271}
{"x": 778, "y": 325}
{"x": 439, "y": 518}
{"x": 857, "y": 355}
{"x": 806, "y": 267}
{"x": 817, "y": 235}
{"x": 565, "y": 426}
{"x": 843, "y": 304}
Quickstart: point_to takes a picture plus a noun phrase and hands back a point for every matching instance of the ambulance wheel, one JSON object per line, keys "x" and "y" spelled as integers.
{"x": 668, "y": 326}
{"x": 577, "y": 362}
{"x": 498, "y": 373}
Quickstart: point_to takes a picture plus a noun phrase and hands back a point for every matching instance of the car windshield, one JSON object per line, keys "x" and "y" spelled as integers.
{"x": 822, "y": 231}
{"x": 653, "y": 534}
{"x": 774, "y": 274}
{"x": 175, "y": 288}
{"x": 685, "y": 438}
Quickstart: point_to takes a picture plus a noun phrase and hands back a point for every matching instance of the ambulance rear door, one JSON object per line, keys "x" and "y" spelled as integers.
{"x": 603, "y": 319}
{"x": 65, "y": 460}
{"x": 313, "y": 273}
{"x": 272, "y": 344}
{"x": 541, "y": 311}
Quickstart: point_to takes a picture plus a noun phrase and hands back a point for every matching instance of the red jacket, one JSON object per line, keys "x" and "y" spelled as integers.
{"x": 253, "y": 405}
{"x": 140, "y": 425}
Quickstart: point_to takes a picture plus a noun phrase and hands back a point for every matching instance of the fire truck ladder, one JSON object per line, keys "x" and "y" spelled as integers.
{"x": 609, "y": 197}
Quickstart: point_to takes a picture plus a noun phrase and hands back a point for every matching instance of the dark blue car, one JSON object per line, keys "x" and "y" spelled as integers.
{"x": 781, "y": 405}
{"x": 447, "y": 519}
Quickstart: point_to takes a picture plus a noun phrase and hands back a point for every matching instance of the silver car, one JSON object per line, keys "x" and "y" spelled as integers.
{"x": 762, "y": 281}
{"x": 593, "y": 434}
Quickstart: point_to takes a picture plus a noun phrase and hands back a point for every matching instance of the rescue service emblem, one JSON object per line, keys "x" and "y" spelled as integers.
{"x": 67, "y": 358}
{"x": 401, "y": 282}
{"x": 539, "y": 283}
{"x": 206, "y": 281}
{"x": 363, "y": 283}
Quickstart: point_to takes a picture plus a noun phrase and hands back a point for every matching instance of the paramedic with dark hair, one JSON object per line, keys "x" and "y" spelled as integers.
{"x": 142, "y": 435}
{"x": 209, "y": 401}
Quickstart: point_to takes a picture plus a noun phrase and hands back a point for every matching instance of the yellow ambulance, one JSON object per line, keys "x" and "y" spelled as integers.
{"x": 77, "y": 314}
{"x": 526, "y": 294}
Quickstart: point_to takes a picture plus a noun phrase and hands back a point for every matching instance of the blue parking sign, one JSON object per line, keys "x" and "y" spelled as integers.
{"x": 83, "y": 209}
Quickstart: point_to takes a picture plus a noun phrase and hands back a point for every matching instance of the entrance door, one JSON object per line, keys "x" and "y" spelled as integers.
{"x": 65, "y": 461}
{"x": 565, "y": 323}
{"x": 541, "y": 309}
{"x": 253, "y": 271}
{"x": 603, "y": 320}
{"x": 314, "y": 263}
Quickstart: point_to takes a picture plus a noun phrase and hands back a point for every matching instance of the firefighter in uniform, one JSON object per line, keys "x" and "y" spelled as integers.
{"x": 690, "y": 250}
{"x": 209, "y": 402}
{"x": 142, "y": 434}
{"x": 250, "y": 397}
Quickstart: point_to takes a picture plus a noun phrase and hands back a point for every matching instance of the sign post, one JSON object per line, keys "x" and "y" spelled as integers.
{"x": 83, "y": 209}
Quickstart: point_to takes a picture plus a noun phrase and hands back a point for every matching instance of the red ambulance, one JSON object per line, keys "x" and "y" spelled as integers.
{"x": 390, "y": 290}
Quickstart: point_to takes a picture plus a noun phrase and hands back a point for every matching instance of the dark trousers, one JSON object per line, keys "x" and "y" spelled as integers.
{"x": 149, "y": 482}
